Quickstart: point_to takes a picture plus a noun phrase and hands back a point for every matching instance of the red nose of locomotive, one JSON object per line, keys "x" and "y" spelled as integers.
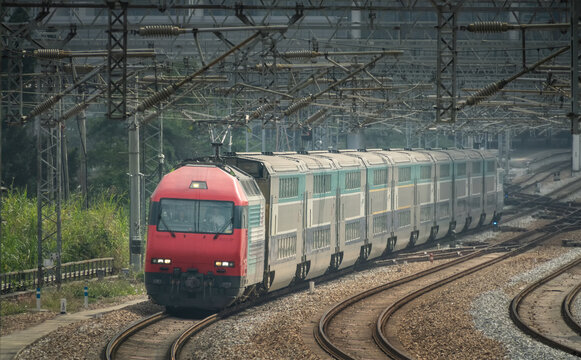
{"x": 196, "y": 241}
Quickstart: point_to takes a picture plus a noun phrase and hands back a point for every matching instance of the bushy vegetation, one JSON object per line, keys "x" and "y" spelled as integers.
{"x": 100, "y": 231}
{"x": 99, "y": 291}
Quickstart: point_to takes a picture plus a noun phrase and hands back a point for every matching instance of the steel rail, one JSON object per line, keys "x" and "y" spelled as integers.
{"x": 320, "y": 331}
{"x": 519, "y": 322}
{"x": 178, "y": 344}
{"x": 378, "y": 334}
{"x": 566, "y": 309}
{"x": 124, "y": 334}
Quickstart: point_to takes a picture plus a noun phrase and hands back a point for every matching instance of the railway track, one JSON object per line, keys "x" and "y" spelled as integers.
{"x": 541, "y": 174}
{"x": 529, "y": 203}
{"x": 543, "y": 309}
{"x": 355, "y": 341}
{"x": 369, "y": 313}
{"x": 158, "y": 336}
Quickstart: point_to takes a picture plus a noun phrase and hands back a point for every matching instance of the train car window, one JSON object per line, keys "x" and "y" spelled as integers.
{"x": 379, "y": 176}
{"x": 426, "y": 213}
{"x": 287, "y": 247}
{"x": 321, "y": 239}
{"x": 353, "y": 180}
{"x": 443, "y": 210}
{"x": 425, "y": 172}
{"x": 476, "y": 168}
{"x": 491, "y": 166}
{"x": 352, "y": 231}
{"x": 196, "y": 216}
{"x": 404, "y": 174}
{"x": 461, "y": 169}
{"x": 379, "y": 224}
{"x": 288, "y": 187}
{"x": 404, "y": 218}
{"x": 321, "y": 183}
{"x": 444, "y": 170}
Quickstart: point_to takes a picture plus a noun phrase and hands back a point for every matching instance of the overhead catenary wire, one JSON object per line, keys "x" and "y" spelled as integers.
{"x": 168, "y": 91}
{"x": 493, "y": 88}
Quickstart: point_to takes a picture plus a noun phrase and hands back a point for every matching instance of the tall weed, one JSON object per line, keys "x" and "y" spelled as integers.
{"x": 100, "y": 231}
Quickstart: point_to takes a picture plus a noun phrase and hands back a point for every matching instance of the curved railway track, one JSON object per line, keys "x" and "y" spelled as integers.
{"x": 543, "y": 309}
{"x": 567, "y": 309}
{"x": 363, "y": 312}
{"x": 158, "y": 336}
{"x": 355, "y": 341}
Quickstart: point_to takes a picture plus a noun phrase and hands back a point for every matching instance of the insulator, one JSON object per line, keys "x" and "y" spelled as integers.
{"x": 74, "y": 111}
{"x": 300, "y": 54}
{"x": 489, "y": 90}
{"x": 45, "y": 105}
{"x": 316, "y": 116}
{"x": 296, "y": 106}
{"x": 488, "y": 27}
{"x": 160, "y": 30}
{"x": 50, "y": 53}
{"x": 261, "y": 110}
{"x": 156, "y": 98}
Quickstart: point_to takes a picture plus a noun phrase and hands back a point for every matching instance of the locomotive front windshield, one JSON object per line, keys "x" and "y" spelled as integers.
{"x": 195, "y": 216}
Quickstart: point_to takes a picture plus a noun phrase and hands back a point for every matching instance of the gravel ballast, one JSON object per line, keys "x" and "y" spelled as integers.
{"x": 473, "y": 312}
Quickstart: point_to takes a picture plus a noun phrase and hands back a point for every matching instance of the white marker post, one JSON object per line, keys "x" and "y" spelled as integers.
{"x": 63, "y": 306}
{"x": 38, "y": 299}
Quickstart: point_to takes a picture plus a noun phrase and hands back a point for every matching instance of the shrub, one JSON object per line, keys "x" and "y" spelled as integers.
{"x": 100, "y": 231}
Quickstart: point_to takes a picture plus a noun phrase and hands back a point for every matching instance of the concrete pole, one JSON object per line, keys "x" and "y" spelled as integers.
{"x": 574, "y": 115}
{"x": 82, "y": 121}
{"x": 134, "y": 193}
{"x": 506, "y": 151}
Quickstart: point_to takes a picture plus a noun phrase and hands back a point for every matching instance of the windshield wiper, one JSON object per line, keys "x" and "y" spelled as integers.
{"x": 224, "y": 227}
{"x": 167, "y": 227}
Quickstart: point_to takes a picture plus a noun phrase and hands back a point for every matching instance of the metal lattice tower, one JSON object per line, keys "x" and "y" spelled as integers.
{"x": 49, "y": 178}
{"x": 12, "y": 98}
{"x": 117, "y": 60}
{"x": 446, "y": 62}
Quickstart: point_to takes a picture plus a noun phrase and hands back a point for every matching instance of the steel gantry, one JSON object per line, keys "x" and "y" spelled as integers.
{"x": 446, "y": 68}
{"x": 117, "y": 59}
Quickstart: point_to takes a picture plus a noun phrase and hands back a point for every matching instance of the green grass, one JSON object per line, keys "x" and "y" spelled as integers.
{"x": 105, "y": 291}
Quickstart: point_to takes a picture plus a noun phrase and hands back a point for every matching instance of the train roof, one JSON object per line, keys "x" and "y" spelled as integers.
{"x": 255, "y": 163}
{"x": 204, "y": 181}
{"x": 370, "y": 158}
{"x": 340, "y": 160}
{"x": 273, "y": 164}
{"x": 312, "y": 162}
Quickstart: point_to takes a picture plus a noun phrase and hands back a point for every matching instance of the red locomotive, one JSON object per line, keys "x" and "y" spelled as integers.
{"x": 197, "y": 248}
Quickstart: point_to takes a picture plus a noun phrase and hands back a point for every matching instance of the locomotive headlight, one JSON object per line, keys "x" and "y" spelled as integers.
{"x": 160, "y": 261}
{"x": 224, "y": 263}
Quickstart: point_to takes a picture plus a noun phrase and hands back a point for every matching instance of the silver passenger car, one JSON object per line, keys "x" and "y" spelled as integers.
{"x": 326, "y": 210}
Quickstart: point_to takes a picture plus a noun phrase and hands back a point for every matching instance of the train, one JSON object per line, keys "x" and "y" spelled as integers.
{"x": 228, "y": 228}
